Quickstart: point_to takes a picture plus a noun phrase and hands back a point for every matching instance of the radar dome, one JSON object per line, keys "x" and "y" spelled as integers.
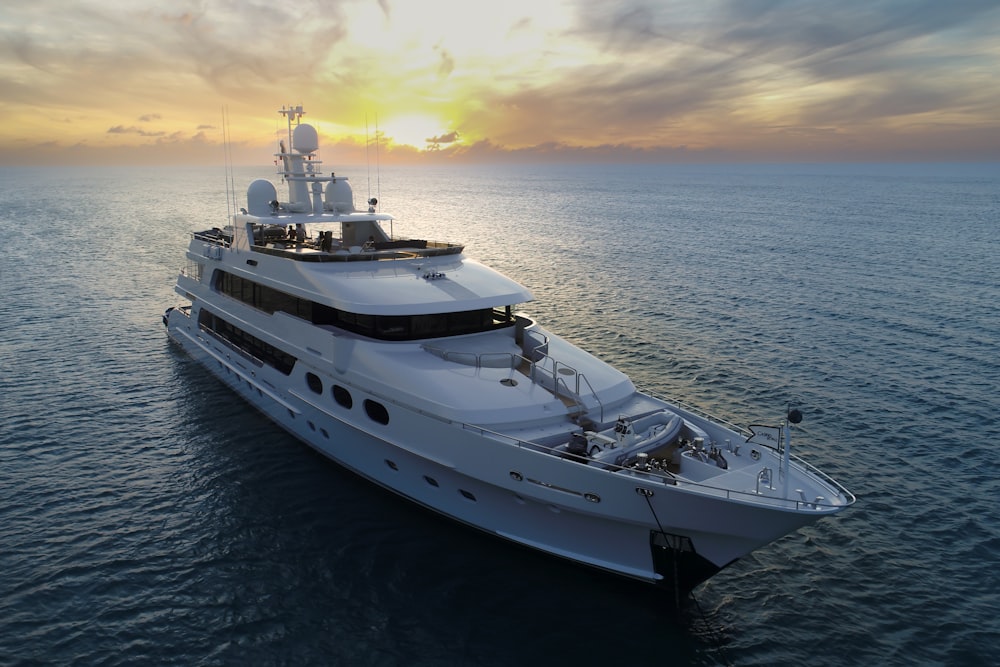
{"x": 305, "y": 139}
{"x": 339, "y": 196}
{"x": 260, "y": 194}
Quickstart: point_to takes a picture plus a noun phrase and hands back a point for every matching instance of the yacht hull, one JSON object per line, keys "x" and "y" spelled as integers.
{"x": 626, "y": 524}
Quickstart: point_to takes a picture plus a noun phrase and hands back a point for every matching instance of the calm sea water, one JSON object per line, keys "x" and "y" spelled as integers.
{"x": 147, "y": 516}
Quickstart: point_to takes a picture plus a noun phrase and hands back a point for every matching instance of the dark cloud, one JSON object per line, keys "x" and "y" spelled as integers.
{"x": 121, "y": 129}
{"x": 447, "y": 64}
{"x": 436, "y": 142}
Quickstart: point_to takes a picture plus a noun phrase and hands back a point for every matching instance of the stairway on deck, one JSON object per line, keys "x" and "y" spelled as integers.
{"x": 575, "y": 407}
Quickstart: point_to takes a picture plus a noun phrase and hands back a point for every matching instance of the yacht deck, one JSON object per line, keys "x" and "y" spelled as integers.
{"x": 311, "y": 250}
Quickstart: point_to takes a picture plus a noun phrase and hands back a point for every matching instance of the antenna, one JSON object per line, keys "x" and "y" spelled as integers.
{"x": 225, "y": 156}
{"x": 378, "y": 167}
{"x": 230, "y": 184}
{"x": 368, "y": 160}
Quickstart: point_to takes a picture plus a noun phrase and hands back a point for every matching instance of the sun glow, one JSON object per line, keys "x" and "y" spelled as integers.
{"x": 459, "y": 80}
{"x": 421, "y": 131}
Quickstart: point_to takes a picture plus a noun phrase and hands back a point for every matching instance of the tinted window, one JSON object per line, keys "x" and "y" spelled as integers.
{"x": 342, "y": 396}
{"x": 376, "y": 412}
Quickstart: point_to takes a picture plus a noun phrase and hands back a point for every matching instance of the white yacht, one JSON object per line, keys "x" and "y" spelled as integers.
{"x": 408, "y": 363}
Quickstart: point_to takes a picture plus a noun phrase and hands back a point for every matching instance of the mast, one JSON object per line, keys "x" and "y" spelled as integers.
{"x": 297, "y": 160}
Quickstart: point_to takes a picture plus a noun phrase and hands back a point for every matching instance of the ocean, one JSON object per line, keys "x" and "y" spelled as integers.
{"x": 150, "y": 517}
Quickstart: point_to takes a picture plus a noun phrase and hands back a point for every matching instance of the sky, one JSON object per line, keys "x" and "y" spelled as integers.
{"x": 137, "y": 82}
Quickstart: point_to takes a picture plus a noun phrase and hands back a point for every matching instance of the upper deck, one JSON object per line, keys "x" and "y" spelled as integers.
{"x": 316, "y": 246}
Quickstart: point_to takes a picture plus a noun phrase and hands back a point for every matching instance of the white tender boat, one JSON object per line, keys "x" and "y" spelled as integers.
{"x": 406, "y": 362}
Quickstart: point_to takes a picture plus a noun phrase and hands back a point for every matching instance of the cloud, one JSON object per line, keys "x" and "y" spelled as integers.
{"x": 449, "y": 138}
{"x": 436, "y": 142}
{"x": 634, "y": 77}
{"x": 447, "y": 63}
{"x": 121, "y": 129}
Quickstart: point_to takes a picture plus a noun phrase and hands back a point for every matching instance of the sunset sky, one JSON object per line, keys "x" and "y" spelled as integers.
{"x": 142, "y": 82}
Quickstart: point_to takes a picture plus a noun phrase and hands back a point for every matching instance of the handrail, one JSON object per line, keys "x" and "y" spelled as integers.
{"x": 698, "y": 411}
{"x": 674, "y": 480}
{"x": 430, "y": 249}
{"x": 475, "y": 357}
{"x": 581, "y": 376}
{"x": 374, "y": 256}
{"x": 218, "y": 240}
{"x": 746, "y": 433}
{"x": 515, "y": 360}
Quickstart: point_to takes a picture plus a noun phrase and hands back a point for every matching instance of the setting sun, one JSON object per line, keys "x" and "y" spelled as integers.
{"x": 418, "y": 130}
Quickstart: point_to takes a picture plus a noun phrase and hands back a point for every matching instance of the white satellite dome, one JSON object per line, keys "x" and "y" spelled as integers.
{"x": 305, "y": 139}
{"x": 339, "y": 196}
{"x": 260, "y": 194}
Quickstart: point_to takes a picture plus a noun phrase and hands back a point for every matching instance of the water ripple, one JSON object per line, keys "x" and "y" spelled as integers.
{"x": 147, "y": 516}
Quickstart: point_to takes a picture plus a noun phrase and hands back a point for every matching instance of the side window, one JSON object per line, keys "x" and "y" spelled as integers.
{"x": 376, "y": 412}
{"x": 342, "y": 396}
{"x": 314, "y": 383}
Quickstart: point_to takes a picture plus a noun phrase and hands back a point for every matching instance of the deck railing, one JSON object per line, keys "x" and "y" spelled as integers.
{"x": 552, "y": 380}
{"x": 669, "y": 479}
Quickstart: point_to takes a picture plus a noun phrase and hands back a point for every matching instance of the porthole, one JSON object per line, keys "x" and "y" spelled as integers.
{"x": 315, "y": 384}
{"x": 467, "y": 494}
{"x": 342, "y": 396}
{"x": 391, "y": 464}
{"x": 291, "y": 414}
{"x": 376, "y": 412}
{"x": 312, "y": 427}
{"x": 325, "y": 434}
{"x": 516, "y": 476}
{"x": 431, "y": 481}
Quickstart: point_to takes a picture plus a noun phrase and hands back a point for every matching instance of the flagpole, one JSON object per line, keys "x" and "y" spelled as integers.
{"x": 794, "y": 417}
{"x": 787, "y": 437}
